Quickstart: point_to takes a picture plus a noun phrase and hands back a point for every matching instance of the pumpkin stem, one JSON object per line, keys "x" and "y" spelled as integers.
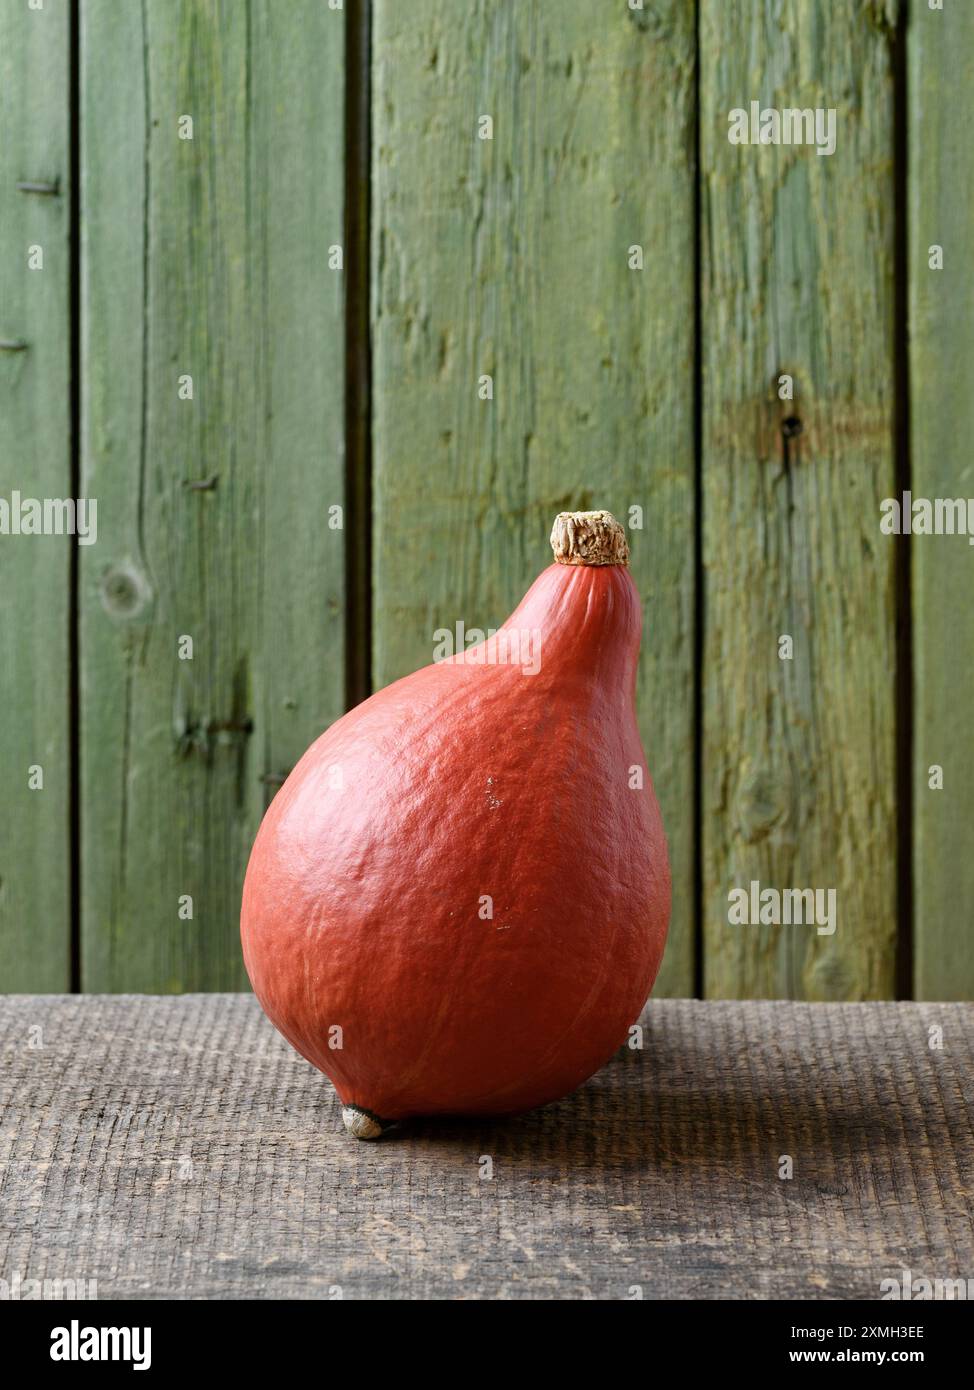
{"x": 362, "y": 1123}
{"x": 589, "y": 538}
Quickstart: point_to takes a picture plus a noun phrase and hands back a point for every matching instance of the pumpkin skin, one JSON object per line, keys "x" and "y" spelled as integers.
{"x": 362, "y": 905}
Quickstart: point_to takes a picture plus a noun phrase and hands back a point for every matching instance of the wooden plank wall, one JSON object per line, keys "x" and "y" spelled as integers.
{"x": 652, "y": 391}
{"x": 941, "y": 214}
{"x": 510, "y": 257}
{"x": 205, "y": 258}
{"x": 35, "y": 460}
{"x": 799, "y": 752}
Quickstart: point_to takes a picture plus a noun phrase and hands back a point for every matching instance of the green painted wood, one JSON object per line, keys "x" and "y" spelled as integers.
{"x": 206, "y": 257}
{"x": 510, "y": 257}
{"x": 941, "y": 200}
{"x": 35, "y": 460}
{"x": 799, "y": 755}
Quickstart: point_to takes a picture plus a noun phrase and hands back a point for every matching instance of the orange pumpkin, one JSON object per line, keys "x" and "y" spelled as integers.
{"x": 458, "y": 901}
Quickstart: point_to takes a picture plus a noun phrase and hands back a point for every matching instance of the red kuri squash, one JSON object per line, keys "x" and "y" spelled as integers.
{"x": 458, "y": 901}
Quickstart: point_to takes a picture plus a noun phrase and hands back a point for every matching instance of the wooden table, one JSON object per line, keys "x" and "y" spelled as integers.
{"x": 175, "y": 1147}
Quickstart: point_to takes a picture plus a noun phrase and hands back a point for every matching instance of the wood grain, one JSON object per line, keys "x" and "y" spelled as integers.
{"x": 799, "y": 757}
{"x": 207, "y": 257}
{"x": 509, "y": 257}
{"x": 178, "y": 1148}
{"x": 941, "y": 198}
{"x": 35, "y": 460}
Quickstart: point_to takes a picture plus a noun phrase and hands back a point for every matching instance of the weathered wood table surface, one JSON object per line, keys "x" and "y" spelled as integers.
{"x": 176, "y": 1147}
